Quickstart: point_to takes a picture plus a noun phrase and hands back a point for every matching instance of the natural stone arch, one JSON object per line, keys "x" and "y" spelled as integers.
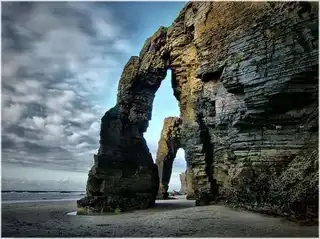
{"x": 229, "y": 88}
{"x": 168, "y": 145}
{"x": 124, "y": 175}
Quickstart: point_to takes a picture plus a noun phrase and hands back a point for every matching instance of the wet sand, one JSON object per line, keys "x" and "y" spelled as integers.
{"x": 170, "y": 218}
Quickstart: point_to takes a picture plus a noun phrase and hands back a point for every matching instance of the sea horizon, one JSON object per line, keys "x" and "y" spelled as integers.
{"x": 40, "y": 191}
{"x": 27, "y": 196}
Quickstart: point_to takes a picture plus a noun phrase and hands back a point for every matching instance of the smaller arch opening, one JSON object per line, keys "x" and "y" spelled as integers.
{"x": 178, "y": 183}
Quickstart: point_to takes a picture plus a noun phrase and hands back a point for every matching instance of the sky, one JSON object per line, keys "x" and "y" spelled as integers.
{"x": 61, "y": 63}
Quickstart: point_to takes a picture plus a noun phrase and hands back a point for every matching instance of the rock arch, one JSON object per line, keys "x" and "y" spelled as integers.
{"x": 238, "y": 79}
{"x": 170, "y": 142}
{"x": 168, "y": 145}
{"x": 124, "y": 175}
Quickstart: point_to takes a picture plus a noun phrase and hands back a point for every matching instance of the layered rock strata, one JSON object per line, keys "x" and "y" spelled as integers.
{"x": 246, "y": 78}
{"x": 168, "y": 146}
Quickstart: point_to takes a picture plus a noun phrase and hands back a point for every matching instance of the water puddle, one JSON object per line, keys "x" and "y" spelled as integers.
{"x": 43, "y": 200}
{"x": 77, "y": 213}
{"x": 72, "y": 213}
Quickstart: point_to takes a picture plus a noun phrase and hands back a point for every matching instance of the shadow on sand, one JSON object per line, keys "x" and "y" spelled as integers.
{"x": 172, "y": 204}
{"x": 178, "y": 202}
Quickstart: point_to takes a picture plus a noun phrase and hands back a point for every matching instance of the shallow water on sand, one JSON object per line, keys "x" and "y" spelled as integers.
{"x": 169, "y": 218}
{"x": 72, "y": 213}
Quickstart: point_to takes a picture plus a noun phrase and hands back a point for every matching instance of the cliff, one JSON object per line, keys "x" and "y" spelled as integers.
{"x": 245, "y": 75}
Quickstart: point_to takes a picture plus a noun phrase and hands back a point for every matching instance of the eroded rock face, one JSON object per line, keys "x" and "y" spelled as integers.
{"x": 124, "y": 175}
{"x": 246, "y": 78}
{"x": 168, "y": 146}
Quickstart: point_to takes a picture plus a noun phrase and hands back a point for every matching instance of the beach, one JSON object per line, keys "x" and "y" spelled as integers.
{"x": 169, "y": 218}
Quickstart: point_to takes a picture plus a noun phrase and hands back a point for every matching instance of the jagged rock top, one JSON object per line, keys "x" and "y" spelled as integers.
{"x": 171, "y": 127}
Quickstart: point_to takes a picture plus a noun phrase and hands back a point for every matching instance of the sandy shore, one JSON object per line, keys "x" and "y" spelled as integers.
{"x": 171, "y": 218}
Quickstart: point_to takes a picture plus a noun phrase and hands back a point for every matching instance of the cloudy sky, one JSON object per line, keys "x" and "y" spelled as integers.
{"x": 61, "y": 63}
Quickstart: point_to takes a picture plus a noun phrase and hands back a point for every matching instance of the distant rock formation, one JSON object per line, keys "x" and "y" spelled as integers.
{"x": 168, "y": 146}
{"x": 245, "y": 75}
{"x": 183, "y": 181}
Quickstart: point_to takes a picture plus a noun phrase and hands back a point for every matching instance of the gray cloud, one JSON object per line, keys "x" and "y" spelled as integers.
{"x": 66, "y": 183}
{"x": 60, "y": 66}
{"x": 58, "y": 59}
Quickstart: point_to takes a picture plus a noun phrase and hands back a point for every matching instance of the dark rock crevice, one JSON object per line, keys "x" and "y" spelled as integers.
{"x": 208, "y": 148}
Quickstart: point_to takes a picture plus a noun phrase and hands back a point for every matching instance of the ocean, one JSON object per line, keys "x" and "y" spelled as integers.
{"x": 39, "y": 196}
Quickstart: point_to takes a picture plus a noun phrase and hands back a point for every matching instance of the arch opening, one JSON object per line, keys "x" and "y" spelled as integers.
{"x": 164, "y": 104}
{"x": 178, "y": 181}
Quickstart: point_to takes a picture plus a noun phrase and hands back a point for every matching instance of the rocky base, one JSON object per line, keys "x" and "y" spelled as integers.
{"x": 293, "y": 193}
{"x": 163, "y": 192}
{"x": 115, "y": 186}
{"x": 191, "y": 197}
{"x": 114, "y": 203}
{"x": 205, "y": 197}
{"x": 271, "y": 210}
{"x": 161, "y": 196}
